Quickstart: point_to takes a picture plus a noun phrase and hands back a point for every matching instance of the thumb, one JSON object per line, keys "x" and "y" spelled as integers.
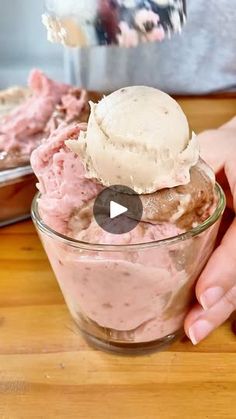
{"x": 217, "y": 146}
{"x": 215, "y": 290}
{"x": 219, "y": 276}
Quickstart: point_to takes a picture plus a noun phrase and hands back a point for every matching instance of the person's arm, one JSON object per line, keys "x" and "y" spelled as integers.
{"x": 216, "y": 287}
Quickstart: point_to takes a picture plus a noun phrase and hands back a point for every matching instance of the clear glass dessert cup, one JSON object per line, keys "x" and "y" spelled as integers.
{"x": 130, "y": 298}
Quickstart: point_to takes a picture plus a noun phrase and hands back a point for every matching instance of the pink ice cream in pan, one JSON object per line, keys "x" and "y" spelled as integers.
{"x": 127, "y": 292}
{"x": 24, "y": 127}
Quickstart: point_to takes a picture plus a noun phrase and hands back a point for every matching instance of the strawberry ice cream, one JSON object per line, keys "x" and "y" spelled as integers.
{"x": 61, "y": 176}
{"x": 132, "y": 291}
{"x": 11, "y": 98}
{"x": 23, "y": 127}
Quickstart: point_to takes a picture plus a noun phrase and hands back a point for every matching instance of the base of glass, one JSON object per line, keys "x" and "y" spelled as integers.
{"x": 140, "y": 348}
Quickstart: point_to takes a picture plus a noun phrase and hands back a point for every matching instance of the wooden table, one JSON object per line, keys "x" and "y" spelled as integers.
{"x": 48, "y": 371}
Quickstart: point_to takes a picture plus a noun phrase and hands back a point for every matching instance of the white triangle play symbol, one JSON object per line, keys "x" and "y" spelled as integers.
{"x": 116, "y": 209}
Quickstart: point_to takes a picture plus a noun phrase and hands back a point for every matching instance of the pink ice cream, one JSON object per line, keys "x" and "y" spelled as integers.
{"x": 130, "y": 296}
{"x": 140, "y": 295}
{"x": 24, "y": 127}
{"x": 61, "y": 174}
{"x": 138, "y": 291}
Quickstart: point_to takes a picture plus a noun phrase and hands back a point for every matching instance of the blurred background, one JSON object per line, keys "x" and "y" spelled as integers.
{"x": 201, "y": 60}
{"x": 23, "y": 43}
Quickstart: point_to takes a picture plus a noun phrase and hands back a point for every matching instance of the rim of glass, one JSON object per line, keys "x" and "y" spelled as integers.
{"x": 129, "y": 247}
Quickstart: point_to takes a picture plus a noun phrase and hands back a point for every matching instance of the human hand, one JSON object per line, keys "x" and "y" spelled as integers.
{"x": 216, "y": 287}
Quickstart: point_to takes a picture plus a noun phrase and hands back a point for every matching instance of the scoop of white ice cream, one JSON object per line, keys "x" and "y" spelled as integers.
{"x": 138, "y": 137}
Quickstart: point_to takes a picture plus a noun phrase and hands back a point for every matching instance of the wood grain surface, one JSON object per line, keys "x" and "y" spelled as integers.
{"x": 48, "y": 371}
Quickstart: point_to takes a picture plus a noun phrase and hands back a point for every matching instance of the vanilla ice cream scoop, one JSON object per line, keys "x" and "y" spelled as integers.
{"x": 138, "y": 137}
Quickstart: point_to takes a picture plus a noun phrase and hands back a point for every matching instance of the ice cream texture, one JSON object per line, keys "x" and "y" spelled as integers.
{"x": 67, "y": 195}
{"x": 27, "y": 123}
{"x": 11, "y": 98}
{"x": 62, "y": 182}
{"x": 138, "y": 137}
{"x": 127, "y": 295}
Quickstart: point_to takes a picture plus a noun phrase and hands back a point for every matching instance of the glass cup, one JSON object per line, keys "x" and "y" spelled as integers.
{"x": 130, "y": 298}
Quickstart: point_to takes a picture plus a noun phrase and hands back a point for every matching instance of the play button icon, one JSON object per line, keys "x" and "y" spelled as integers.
{"x": 118, "y": 209}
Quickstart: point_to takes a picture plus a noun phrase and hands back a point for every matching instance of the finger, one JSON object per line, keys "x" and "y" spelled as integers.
{"x": 198, "y": 329}
{"x": 229, "y": 199}
{"x": 223, "y": 181}
{"x": 231, "y": 177}
{"x": 218, "y": 146}
{"x": 231, "y": 124}
{"x": 212, "y": 149}
{"x": 193, "y": 316}
{"x": 219, "y": 275}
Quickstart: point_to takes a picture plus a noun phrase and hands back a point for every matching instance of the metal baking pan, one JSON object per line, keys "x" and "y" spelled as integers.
{"x": 17, "y": 189}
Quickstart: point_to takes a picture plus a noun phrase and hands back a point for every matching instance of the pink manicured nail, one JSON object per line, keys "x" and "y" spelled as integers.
{"x": 199, "y": 330}
{"x": 211, "y": 297}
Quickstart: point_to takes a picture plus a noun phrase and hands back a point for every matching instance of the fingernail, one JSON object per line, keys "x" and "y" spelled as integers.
{"x": 211, "y": 297}
{"x": 199, "y": 330}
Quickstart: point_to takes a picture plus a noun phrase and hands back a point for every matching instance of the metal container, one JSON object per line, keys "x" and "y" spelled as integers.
{"x": 125, "y": 23}
{"x": 17, "y": 188}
